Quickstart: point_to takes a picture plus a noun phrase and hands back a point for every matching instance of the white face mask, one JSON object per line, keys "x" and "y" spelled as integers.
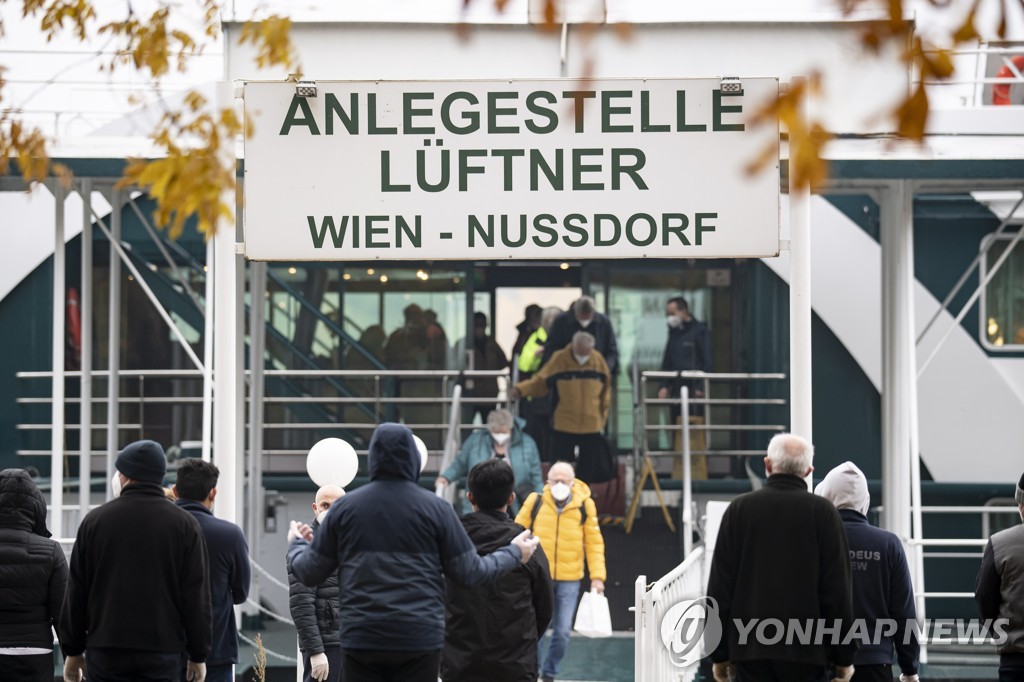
{"x": 560, "y": 491}
{"x": 674, "y": 322}
{"x": 585, "y": 323}
{"x": 320, "y": 517}
{"x": 501, "y": 438}
{"x": 582, "y": 359}
{"x": 115, "y": 485}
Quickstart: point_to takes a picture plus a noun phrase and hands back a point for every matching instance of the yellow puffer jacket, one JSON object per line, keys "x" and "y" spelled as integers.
{"x": 564, "y": 538}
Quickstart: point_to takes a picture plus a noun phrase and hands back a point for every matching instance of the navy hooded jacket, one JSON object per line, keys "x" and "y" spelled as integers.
{"x": 392, "y": 543}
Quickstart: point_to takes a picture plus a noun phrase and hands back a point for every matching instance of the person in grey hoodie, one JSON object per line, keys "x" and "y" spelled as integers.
{"x": 1000, "y": 590}
{"x": 882, "y": 590}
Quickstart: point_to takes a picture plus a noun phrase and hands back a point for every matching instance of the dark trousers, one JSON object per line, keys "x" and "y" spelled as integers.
{"x": 366, "y": 665}
{"x": 31, "y": 668}
{"x": 333, "y": 665}
{"x": 779, "y": 671}
{"x": 564, "y": 444}
{"x": 872, "y": 673}
{"x": 129, "y": 665}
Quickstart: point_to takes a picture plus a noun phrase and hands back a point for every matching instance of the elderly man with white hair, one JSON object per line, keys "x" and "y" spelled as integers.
{"x": 782, "y": 558}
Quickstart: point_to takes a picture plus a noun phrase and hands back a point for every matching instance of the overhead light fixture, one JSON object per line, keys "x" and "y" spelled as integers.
{"x": 305, "y": 89}
{"x": 370, "y": 271}
{"x": 731, "y": 85}
{"x": 346, "y": 276}
{"x": 292, "y": 271}
{"x": 564, "y": 266}
{"x": 384, "y": 279}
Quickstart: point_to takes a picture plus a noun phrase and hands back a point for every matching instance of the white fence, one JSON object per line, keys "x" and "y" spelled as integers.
{"x": 652, "y": 660}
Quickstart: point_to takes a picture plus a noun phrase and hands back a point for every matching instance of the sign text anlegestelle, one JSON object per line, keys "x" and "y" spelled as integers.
{"x": 478, "y": 170}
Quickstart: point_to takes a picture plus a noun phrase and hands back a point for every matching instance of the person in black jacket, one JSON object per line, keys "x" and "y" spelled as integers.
{"x": 781, "y": 555}
{"x": 583, "y": 316}
{"x": 33, "y": 577}
{"x": 315, "y": 609}
{"x": 881, "y": 580}
{"x": 492, "y": 631}
{"x": 139, "y": 592}
{"x": 999, "y": 591}
{"x": 196, "y": 489}
{"x": 687, "y": 349}
{"x": 394, "y": 542}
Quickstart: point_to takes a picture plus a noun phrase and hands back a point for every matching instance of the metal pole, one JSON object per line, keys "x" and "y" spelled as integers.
{"x": 239, "y": 386}
{"x": 208, "y": 325}
{"x": 897, "y": 340}
{"x": 57, "y": 383}
{"x": 225, "y": 408}
{"x": 114, "y": 340}
{"x": 800, "y": 308}
{"x": 684, "y": 403}
{"x": 85, "y": 314}
{"x": 257, "y": 343}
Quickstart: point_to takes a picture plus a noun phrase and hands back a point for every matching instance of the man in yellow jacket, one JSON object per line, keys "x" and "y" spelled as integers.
{"x": 578, "y": 377}
{"x": 564, "y": 518}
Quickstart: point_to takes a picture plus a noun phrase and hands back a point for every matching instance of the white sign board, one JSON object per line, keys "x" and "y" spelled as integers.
{"x": 482, "y": 170}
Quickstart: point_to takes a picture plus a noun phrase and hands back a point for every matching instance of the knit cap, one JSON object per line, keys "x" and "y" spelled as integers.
{"x": 143, "y": 460}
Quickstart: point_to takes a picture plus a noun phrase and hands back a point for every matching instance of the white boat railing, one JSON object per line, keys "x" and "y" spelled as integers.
{"x": 653, "y": 662}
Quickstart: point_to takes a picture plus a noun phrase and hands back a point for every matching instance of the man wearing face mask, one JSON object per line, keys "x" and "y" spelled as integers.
{"x": 583, "y": 316}
{"x": 196, "y": 489}
{"x": 581, "y": 387}
{"x": 138, "y": 590}
{"x": 315, "y": 609}
{"x": 688, "y": 349}
{"x": 564, "y": 517}
{"x": 505, "y": 440}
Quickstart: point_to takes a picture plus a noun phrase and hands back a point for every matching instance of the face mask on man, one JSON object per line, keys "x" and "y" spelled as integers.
{"x": 674, "y": 322}
{"x": 115, "y": 485}
{"x": 582, "y": 359}
{"x": 585, "y": 323}
{"x": 501, "y": 438}
{"x": 560, "y": 491}
{"x": 320, "y": 516}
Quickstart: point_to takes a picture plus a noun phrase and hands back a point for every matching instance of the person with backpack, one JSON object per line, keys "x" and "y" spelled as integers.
{"x": 564, "y": 518}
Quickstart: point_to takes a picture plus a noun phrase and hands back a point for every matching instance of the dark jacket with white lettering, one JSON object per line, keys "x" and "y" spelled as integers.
{"x": 781, "y": 554}
{"x": 392, "y": 543}
{"x": 881, "y": 590}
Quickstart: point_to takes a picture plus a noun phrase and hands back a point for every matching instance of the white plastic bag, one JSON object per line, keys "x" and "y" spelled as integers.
{"x": 593, "y": 617}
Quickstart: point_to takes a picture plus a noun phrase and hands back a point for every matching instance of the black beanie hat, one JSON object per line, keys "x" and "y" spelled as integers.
{"x": 1019, "y": 496}
{"x": 143, "y": 460}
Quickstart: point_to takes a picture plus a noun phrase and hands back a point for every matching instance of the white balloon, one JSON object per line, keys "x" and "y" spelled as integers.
{"x": 332, "y": 461}
{"x": 422, "y": 447}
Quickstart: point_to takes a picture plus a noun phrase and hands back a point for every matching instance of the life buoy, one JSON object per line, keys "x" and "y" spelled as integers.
{"x": 1001, "y": 91}
{"x": 73, "y": 318}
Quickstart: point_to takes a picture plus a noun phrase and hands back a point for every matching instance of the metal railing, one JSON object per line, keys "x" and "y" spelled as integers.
{"x": 652, "y": 659}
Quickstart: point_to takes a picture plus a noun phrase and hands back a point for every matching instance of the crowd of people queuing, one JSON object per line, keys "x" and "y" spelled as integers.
{"x": 390, "y": 582}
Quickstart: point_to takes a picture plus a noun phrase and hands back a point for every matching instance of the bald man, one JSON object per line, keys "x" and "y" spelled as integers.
{"x": 315, "y": 609}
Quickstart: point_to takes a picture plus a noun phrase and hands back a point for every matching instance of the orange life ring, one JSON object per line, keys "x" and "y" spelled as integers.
{"x": 73, "y": 319}
{"x": 1001, "y": 91}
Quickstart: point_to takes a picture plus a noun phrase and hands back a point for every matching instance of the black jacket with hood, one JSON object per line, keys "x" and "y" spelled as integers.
{"x": 392, "y": 542}
{"x": 881, "y": 577}
{"x": 315, "y": 611}
{"x": 33, "y": 570}
{"x": 492, "y": 631}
